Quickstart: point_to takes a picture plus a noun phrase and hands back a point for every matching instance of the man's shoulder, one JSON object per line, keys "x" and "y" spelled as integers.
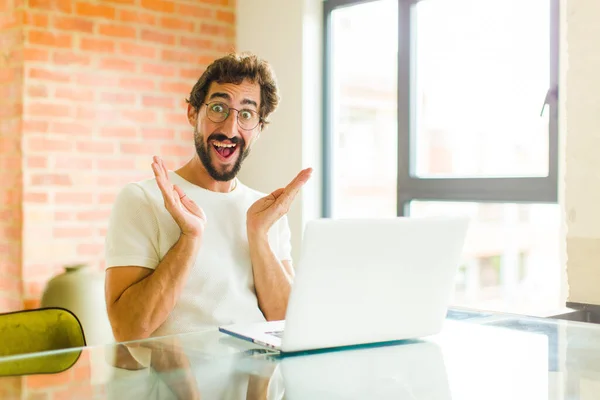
{"x": 144, "y": 189}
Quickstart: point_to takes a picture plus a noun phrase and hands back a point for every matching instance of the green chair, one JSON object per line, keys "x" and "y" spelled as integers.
{"x": 29, "y": 333}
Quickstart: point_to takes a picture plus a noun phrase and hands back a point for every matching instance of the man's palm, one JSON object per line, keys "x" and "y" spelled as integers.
{"x": 266, "y": 211}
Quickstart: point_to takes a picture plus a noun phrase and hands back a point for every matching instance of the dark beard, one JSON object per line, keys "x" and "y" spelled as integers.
{"x": 205, "y": 156}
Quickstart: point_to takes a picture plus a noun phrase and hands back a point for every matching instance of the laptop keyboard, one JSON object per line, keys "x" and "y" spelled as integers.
{"x": 278, "y": 334}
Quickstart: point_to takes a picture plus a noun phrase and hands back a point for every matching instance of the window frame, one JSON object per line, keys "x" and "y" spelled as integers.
{"x": 411, "y": 187}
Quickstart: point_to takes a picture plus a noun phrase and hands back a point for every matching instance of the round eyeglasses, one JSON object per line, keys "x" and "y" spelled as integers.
{"x": 218, "y": 112}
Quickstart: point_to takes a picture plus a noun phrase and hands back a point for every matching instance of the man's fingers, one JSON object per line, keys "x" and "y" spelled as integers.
{"x": 160, "y": 180}
{"x": 291, "y": 190}
{"x": 189, "y": 203}
{"x": 277, "y": 193}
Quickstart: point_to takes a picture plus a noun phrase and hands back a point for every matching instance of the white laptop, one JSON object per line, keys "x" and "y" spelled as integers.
{"x": 366, "y": 281}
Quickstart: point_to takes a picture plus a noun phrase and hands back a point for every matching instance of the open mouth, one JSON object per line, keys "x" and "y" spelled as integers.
{"x": 224, "y": 149}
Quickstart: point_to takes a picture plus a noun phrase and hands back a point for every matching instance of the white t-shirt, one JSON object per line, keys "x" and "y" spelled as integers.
{"x": 220, "y": 286}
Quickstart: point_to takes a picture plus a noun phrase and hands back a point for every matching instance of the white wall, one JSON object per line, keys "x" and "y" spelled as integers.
{"x": 581, "y": 118}
{"x": 288, "y": 35}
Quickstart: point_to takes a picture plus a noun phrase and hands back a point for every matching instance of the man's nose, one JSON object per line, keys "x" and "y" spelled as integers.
{"x": 230, "y": 124}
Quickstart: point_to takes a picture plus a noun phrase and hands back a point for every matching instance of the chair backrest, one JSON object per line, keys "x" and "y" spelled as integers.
{"x": 35, "y": 331}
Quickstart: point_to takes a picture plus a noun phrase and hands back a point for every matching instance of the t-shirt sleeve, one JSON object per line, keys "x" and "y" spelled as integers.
{"x": 132, "y": 235}
{"x": 284, "y": 250}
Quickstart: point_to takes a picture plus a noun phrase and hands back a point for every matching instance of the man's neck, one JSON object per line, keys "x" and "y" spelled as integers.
{"x": 195, "y": 173}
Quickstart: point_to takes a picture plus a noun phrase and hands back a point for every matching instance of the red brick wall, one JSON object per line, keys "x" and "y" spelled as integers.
{"x": 11, "y": 188}
{"x": 103, "y": 91}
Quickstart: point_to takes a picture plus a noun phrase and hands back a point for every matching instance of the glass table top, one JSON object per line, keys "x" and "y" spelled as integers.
{"x": 477, "y": 355}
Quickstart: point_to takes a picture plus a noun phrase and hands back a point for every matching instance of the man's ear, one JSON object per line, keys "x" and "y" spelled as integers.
{"x": 192, "y": 115}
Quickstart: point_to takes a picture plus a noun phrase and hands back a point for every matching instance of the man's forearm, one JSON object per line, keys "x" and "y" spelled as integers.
{"x": 144, "y": 306}
{"x": 271, "y": 280}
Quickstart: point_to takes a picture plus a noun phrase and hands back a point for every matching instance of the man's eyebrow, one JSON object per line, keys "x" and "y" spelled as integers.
{"x": 250, "y": 102}
{"x": 226, "y": 96}
{"x": 220, "y": 95}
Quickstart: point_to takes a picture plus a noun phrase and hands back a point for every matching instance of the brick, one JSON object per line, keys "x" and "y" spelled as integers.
{"x": 159, "y": 5}
{"x": 73, "y": 163}
{"x": 98, "y": 45}
{"x": 119, "y": 31}
{"x": 11, "y": 127}
{"x": 136, "y": 17}
{"x": 70, "y": 58}
{"x": 178, "y": 118}
{"x": 48, "y": 110}
{"x": 32, "y": 197}
{"x": 72, "y": 232}
{"x": 225, "y": 47}
{"x": 63, "y": 216}
{"x": 189, "y": 57}
{"x": 107, "y": 198}
{"x": 64, "y": 6}
{"x": 96, "y": 80}
{"x": 75, "y": 94}
{"x": 45, "y": 38}
{"x": 138, "y": 148}
{"x": 118, "y": 98}
{"x": 226, "y": 16}
{"x": 157, "y": 37}
{"x": 181, "y": 88}
{"x": 140, "y": 116}
{"x": 10, "y": 161}
{"x": 177, "y": 24}
{"x": 191, "y": 73}
{"x": 116, "y": 164}
{"x": 195, "y": 11}
{"x": 51, "y": 180}
{"x": 156, "y": 101}
{"x": 119, "y": 132}
{"x": 36, "y": 162}
{"x": 137, "y": 50}
{"x": 11, "y": 111}
{"x": 94, "y": 215}
{"x": 159, "y": 69}
{"x": 48, "y": 145}
{"x": 31, "y": 54}
{"x": 73, "y": 198}
{"x": 90, "y": 249}
{"x": 118, "y": 64}
{"x": 9, "y": 20}
{"x": 138, "y": 84}
{"x": 34, "y": 19}
{"x": 205, "y": 59}
{"x": 48, "y": 75}
{"x": 216, "y": 2}
{"x": 32, "y": 126}
{"x": 196, "y": 43}
{"x": 9, "y": 75}
{"x": 114, "y": 181}
{"x": 84, "y": 8}
{"x": 9, "y": 284}
{"x": 162, "y": 134}
{"x": 217, "y": 30}
{"x": 126, "y": 2}
{"x": 95, "y": 147}
{"x": 37, "y": 91}
{"x": 70, "y": 128}
{"x": 176, "y": 150}
{"x": 76, "y": 24}
{"x": 94, "y": 114}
